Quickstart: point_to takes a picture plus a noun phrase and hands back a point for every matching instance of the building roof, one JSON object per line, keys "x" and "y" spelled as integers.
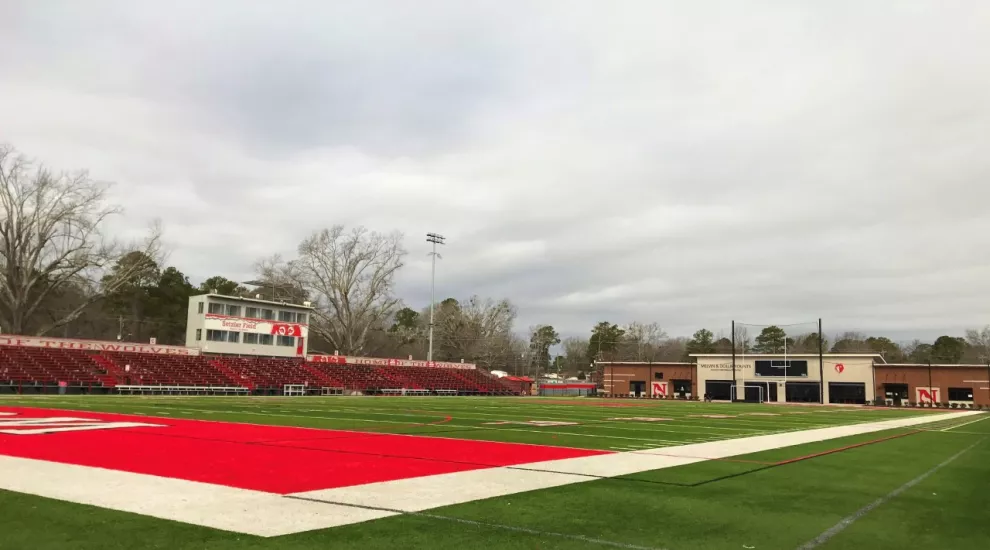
{"x": 786, "y": 355}
{"x": 926, "y": 365}
{"x": 642, "y": 363}
{"x": 253, "y": 300}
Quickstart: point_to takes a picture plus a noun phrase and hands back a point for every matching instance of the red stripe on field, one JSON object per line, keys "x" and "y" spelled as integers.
{"x": 265, "y": 458}
{"x": 844, "y": 448}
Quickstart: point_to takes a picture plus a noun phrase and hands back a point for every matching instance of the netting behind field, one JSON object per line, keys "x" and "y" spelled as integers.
{"x": 778, "y": 339}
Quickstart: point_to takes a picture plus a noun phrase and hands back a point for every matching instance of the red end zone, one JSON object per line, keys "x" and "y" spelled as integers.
{"x": 264, "y": 458}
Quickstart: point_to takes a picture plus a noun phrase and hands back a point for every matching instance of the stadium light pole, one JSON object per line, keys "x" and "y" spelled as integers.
{"x": 435, "y": 239}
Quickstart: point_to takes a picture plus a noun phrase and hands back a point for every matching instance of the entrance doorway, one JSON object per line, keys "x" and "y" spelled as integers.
{"x": 847, "y": 392}
{"x": 757, "y": 392}
{"x": 897, "y": 393}
{"x": 719, "y": 390}
{"x": 682, "y": 388}
{"x": 803, "y": 392}
{"x": 637, "y": 388}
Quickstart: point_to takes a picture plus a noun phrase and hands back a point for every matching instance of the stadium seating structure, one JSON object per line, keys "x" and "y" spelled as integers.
{"x": 105, "y": 370}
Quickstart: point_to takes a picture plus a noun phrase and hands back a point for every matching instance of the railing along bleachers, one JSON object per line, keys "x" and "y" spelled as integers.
{"x": 268, "y": 373}
{"x": 361, "y": 378}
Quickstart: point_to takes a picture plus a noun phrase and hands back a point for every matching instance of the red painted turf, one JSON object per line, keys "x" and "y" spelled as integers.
{"x": 275, "y": 459}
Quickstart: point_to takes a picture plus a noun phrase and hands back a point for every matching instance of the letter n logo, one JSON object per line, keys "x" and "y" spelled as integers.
{"x": 927, "y": 395}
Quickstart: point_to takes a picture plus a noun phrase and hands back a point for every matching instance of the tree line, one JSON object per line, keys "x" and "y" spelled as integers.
{"x": 61, "y": 274}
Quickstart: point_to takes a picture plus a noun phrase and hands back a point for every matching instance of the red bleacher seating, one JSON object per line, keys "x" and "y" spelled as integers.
{"x": 87, "y": 368}
{"x": 48, "y": 366}
{"x": 168, "y": 370}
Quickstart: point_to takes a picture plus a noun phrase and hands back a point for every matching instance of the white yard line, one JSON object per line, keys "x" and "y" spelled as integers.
{"x": 965, "y": 424}
{"x": 216, "y": 506}
{"x": 858, "y": 514}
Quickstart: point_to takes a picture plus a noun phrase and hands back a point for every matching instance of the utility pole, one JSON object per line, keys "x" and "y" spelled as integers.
{"x": 435, "y": 239}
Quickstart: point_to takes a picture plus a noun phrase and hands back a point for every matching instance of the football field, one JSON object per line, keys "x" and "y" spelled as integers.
{"x": 451, "y": 472}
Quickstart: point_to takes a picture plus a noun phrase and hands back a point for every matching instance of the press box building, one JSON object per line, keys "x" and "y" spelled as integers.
{"x": 232, "y": 325}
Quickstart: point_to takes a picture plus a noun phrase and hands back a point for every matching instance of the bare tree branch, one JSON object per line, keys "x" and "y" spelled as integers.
{"x": 350, "y": 278}
{"x": 51, "y": 238}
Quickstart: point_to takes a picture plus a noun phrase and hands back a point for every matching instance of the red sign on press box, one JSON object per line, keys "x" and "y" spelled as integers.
{"x": 285, "y": 329}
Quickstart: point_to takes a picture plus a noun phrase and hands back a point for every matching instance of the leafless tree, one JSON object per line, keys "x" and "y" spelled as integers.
{"x": 490, "y": 325}
{"x": 576, "y": 355}
{"x": 641, "y": 341}
{"x": 349, "y": 276}
{"x": 281, "y": 280}
{"x": 52, "y": 238}
{"x": 979, "y": 340}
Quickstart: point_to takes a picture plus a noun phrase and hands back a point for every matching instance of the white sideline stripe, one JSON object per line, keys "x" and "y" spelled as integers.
{"x": 424, "y": 493}
{"x": 204, "y": 504}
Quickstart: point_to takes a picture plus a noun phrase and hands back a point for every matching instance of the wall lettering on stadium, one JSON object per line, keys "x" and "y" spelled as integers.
{"x": 384, "y": 362}
{"x": 718, "y": 366}
{"x": 93, "y": 345}
{"x": 215, "y": 321}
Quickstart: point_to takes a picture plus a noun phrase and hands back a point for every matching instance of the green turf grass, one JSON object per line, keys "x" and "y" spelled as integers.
{"x": 474, "y": 417}
{"x": 775, "y": 508}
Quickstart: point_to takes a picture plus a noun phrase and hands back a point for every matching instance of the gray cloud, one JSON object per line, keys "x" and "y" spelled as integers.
{"x": 685, "y": 163}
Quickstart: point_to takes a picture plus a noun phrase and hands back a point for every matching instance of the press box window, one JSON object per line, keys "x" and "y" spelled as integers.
{"x": 233, "y": 337}
{"x": 199, "y": 331}
{"x": 286, "y": 341}
{"x": 287, "y": 316}
{"x": 216, "y": 309}
{"x": 268, "y": 315}
{"x": 265, "y": 339}
{"x": 200, "y": 309}
{"x": 216, "y": 335}
{"x": 234, "y": 311}
{"x": 251, "y": 313}
{"x": 251, "y": 338}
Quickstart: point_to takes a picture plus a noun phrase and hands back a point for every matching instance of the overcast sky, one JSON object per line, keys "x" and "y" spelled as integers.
{"x": 680, "y": 162}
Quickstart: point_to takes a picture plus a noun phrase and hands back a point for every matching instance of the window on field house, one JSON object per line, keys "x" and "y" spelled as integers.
{"x": 960, "y": 394}
{"x": 268, "y": 314}
{"x": 199, "y": 331}
{"x": 233, "y": 337}
{"x": 265, "y": 339}
{"x": 200, "y": 310}
{"x": 234, "y": 311}
{"x": 287, "y": 341}
{"x": 216, "y": 309}
{"x": 286, "y": 316}
{"x": 216, "y": 335}
{"x": 301, "y": 318}
{"x": 251, "y": 338}
{"x": 251, "y": 313}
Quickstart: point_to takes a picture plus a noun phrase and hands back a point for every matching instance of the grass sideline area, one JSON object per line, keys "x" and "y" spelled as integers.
{"x": 587, "y": 423}
{"x": 780, "y": 499}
